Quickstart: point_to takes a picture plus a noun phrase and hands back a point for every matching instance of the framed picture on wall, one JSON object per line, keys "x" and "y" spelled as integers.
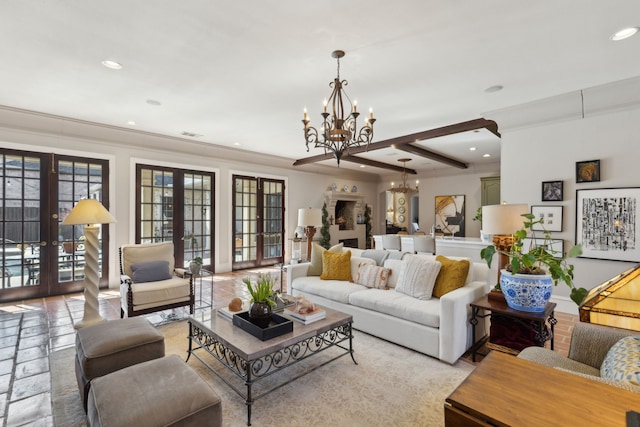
{"x": 588, "y": 171}
{"x": 551, "y": 217}
{"x": 552, "y": 191}
{"x": 607, "y": 223}
{"x": 450, "y": 215}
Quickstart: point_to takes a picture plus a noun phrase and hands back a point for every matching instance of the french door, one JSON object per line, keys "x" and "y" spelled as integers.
{"x": 176, "y": 205}
{"x": 38, "y": 255}
{"x": 258, "y": 221}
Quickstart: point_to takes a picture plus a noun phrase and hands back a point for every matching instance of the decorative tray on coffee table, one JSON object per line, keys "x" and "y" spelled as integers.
{"x": 278, "y": 326}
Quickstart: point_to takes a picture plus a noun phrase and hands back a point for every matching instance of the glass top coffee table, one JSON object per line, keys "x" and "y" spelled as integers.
{"x": 252, "y": 360}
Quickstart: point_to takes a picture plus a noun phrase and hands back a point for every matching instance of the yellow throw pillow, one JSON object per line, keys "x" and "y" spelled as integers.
{"x": 452, "y": 275}
{"x": 315, "y": 268}
{"x": 336, "y": 266}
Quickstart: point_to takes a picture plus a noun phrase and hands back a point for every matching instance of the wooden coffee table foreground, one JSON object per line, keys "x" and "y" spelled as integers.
{"x": 504, "y": 390}
{"x": 253, "y": 360}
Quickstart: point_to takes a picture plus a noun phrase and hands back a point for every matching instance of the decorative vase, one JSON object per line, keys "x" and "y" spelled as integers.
{"x": 260, "y": 314}
{"x": 526, "y": 292}
{"x": 194, "y": 267}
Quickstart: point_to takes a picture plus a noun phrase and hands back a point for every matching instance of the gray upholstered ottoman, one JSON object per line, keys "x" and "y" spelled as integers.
{"x": 161, "y": 392}
{"x": 106, "y": 347}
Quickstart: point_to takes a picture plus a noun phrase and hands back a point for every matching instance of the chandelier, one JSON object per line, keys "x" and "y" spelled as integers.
{"x": 338, "y": 133}
{"x": 403, "y": 187}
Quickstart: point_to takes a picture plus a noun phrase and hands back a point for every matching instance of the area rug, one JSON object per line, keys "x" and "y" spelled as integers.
{"x": 390, "y": 385}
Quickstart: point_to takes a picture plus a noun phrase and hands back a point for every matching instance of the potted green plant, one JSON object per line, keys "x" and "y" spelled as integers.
{"x": 262, "y": 302}
{"x": 195, "y": 265}
{"x": 529, "y": 277}
{"x": 478, "y": 217}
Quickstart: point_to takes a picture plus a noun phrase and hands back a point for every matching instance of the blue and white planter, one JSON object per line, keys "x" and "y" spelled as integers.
{"x": 526, "y": 292}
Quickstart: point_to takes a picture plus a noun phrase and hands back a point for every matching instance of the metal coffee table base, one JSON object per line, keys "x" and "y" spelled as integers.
{"x": 252, "y": 371}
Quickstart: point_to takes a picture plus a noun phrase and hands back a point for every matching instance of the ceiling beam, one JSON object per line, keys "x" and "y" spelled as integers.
{"x": 453, "y": 129}
{"x": 409, "y": 148}
{"x": 376, "y": 164}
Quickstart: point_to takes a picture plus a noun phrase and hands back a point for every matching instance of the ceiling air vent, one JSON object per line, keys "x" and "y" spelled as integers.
{"x": 191, "y": 135}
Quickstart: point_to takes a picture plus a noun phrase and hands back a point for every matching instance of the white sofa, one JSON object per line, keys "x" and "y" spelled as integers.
{"x": 438, "y": 327}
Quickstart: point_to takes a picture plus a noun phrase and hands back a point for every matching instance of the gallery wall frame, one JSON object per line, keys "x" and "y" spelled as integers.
{"x": 450, "y": 218}
{"x": 588, "y": 171}
{"x": 553, "y": 246}
{"x": 607, "y": 223}
{"x": 552, "y": 191}
{"x": 551, "y": 217}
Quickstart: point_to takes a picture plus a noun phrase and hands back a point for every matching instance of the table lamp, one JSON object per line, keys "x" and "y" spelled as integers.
{"x": 309, "y": 219}
{"x": 502, "y": 221}
{"x": 91, "y": 213}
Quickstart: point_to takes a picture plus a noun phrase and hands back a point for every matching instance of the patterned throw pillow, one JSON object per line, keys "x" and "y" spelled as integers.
{"x": 418, "y": 277}
{"x": 336, "y": 266}
{"x": 315, "y": 269}
{"x": 372, "y": 276}
{"x": 452, "y": 276}
{"x": 622, "y": 362}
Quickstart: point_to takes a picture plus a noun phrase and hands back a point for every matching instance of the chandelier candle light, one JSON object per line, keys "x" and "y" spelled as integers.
{"x": 91, "y": 213}
{"x": 338, "y": 133}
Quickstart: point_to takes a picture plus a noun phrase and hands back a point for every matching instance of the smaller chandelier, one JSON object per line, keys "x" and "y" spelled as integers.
{"x": 338, "y": 133}
{"x": 403, "y": 187}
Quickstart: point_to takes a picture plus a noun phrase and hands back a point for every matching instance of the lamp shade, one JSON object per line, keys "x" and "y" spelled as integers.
{"x": 503, "y": 219}
{"x": 89, "y": 211}
{"x": 309, "y": 217}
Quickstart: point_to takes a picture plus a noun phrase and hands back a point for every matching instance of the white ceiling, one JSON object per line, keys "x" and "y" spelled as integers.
{"x": 242, "y": 72}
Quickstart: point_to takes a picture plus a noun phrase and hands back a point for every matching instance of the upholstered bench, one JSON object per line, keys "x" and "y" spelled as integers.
{"x": 106, "y": 347}
{"x": 160, "y": 392}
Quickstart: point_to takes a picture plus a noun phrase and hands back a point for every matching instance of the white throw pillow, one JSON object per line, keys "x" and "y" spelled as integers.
{"x": 372, "y": 276}
{"x": 418, "y": 277}
{"x": 394, "y": 266}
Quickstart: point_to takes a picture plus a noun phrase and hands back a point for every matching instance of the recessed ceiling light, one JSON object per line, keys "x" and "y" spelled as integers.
{"x": 362, "y": 166}
{"x": 153, "y": 102}
{"x": 486, "y": 155}
{"x": 472, "y": 148}
{"x": 237, "y": 144}
{"x": 625, "y": 33}
{"x": 492, "y": 89}
{"x": 131, "y": 122}
{"x": 112, "y": 64}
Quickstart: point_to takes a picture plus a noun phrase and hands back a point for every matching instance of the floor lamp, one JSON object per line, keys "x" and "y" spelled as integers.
{"x": 309, "y": 219}
{"x": 91, "y": 213}
{"x": 502, "y": 221}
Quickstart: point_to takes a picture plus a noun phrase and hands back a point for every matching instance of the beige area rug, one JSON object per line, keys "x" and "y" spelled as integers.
{"x": 391, "y": 385}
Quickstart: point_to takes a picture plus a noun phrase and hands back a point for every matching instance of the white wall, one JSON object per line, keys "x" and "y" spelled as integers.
{"x": 33, "y": 132}
{"x": 548, "y": 151}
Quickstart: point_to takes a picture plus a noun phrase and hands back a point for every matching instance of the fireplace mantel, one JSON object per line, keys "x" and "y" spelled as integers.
{"x": 332, "y": 197}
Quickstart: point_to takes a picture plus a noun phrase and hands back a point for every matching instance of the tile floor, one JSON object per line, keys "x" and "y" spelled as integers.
{"x": 31, "y": 329}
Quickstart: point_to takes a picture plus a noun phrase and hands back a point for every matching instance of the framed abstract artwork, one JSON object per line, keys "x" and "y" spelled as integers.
{"x": 588, "y": 171}
{"x": 552, "y": 191}
{"x": 450, "y": 215}
{"x": 607, "y": 223}
{"x": 551, "y": 217}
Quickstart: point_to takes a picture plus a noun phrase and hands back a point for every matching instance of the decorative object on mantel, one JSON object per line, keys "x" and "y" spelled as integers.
{"x": 529, "y": 277}
{"x": 403, "y": 187}
{"x": 338, "y": 132}
{"x": 309, "y": 219}
{"x": 334, "y": 186}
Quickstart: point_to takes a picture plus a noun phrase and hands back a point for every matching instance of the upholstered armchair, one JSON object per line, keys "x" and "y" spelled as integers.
{"x": 589, "y": 353}
{"x": 148, "y": 281}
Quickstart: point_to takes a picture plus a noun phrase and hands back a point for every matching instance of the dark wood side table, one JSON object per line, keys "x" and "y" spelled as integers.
{"x": 500, "y": 307}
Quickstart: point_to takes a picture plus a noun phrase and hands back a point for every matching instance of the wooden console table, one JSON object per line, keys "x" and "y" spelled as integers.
{"x": 504, "y": 390}
{"x": 500, "y": 307}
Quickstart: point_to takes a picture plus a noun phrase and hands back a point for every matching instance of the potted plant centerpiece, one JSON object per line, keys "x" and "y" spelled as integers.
{"x": 262, "y": 302}
{"x": 529, "y": 277}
